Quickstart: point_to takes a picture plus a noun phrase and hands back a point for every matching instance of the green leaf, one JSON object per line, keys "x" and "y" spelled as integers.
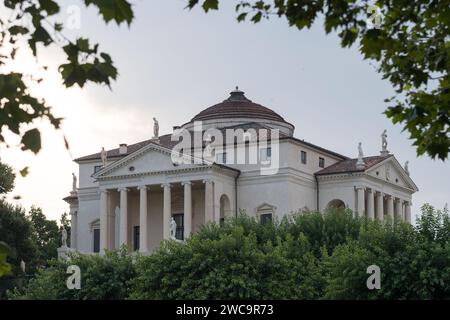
{"x": 31, "y": 140}
{"x": 24, "y": 172}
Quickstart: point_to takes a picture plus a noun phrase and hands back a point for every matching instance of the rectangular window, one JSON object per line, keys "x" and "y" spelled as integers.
{"x": 97, "y": 168}
{"x": 136, "y": 235}
{"x": 221, "y": 158}
{"x": 321, "y": 162}
{"x": 96, "y": 240}
{"x": 303, "y": 157}
{"x": 265, "y": 218}
{"x": 266, "y": 154}
{"x": 179, "y": 220}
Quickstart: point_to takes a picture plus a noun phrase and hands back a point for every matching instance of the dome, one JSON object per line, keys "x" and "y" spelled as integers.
{"x": 237, "y": 106}
{"x": 238, "y": 110}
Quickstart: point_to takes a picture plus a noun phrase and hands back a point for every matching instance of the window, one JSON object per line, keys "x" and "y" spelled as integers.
{"x": 221, "y": 157}
{"x": 303, "y": 156}
{"x": 97, "y": 168}
{"x": 96, "y": 240}
{"x": 136, "y": 235}
{"x": 265, "y": 218}
{"x": 321, "y": 162}
{"x": 179, "y": 220}
{"x": 266, "y": 154}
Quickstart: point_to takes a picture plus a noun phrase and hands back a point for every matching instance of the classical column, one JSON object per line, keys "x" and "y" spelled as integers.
{"x": 103, "y": 220}
{"x": 187, "y": 208}
{"x": 209, "y": 201}
{"x": 379, "y": 206}
{"x": 408, "y": 211}
{"x": 167, "y": 210}
{"x": 370, "y": 204}
{"x": 73, "y": 229}
{"x": 398, "y": 209}
{"x": 390, "y": 207}
{"x": 361, "y": 201}
{"x": 123, "y": 229}
{"x": 143, "y": 246}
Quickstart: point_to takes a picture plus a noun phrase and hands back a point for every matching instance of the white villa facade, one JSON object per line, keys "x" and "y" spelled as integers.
{"x": 128, "y": 195}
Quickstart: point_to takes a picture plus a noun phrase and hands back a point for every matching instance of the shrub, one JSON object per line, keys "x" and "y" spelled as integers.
{"x": 241, "y": 260}
{"x": 102, "y": 277}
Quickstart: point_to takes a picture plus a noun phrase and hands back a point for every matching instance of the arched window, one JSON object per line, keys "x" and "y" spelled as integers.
{"x": 225, "y": 209}
{"x": 336, "y": 203}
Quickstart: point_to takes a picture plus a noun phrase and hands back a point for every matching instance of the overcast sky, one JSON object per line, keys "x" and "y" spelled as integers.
{"x": 174, "y": 63}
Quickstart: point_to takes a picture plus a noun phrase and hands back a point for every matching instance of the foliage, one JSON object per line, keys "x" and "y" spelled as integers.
{"x": 413, "y": 265}
{"x": 39, "y": 24}
{"x": 7, "y": 178}
{"x": 31, "y": 238}
{"x": 102, "y": 278}
{"x": 411, "y": 48}
{"x": 242, "y": 260}
{"x": 5, "y": 267}
{"x": 307, "y": 256}
{"x": 46, "y": 235}
{"x": 17, "y": 232}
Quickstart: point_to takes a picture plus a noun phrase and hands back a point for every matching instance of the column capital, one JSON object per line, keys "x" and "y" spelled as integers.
{"x": 143, "y": 187}
{"x": 389, "y": 197}
{"x": 379, "y": 194}
{"x": 183, "y": 183}
{"x": 164, "y": 185}
{"x": 360, "y": 187}
{"x": 370, "y": 190}
{"x": 207, "y": 180}
{"x": 122, "y": 189}
{"x": 397, "y": 199}
{"x": 105, "y": 191}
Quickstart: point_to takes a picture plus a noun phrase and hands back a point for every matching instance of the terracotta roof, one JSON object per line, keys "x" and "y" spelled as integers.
{"x": 114, "y": 153}
{"x": 237, "y": 106}
{"x": 349, "y": 165}
{"x": 166, "y": 142}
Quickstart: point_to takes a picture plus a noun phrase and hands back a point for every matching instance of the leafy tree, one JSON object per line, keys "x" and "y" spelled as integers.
{"x": 102, "y": 278}
{"x": 45, "y": 235}
{"x": 17, "y": 232}
{"x": 410, "y": 47}
{"x": 300, "y": 257}
{"x": 7, "y": 178}
{"x": 38, "y": 24}
{"x": 5, "y": 268}
{"x": 241, "y": 260}
{"x": 413, "y": 265}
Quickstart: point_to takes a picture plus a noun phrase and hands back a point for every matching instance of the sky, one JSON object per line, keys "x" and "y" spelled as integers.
{"x": 173, "y": 63}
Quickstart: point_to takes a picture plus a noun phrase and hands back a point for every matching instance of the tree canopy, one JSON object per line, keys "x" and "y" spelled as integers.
{"x": 38, "y": 24}
{"x": 309, "y": 255}
{"x": 410, "y": 46}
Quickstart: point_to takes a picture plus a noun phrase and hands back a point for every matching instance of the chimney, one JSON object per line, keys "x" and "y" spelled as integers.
{"x": 123, "y": 148}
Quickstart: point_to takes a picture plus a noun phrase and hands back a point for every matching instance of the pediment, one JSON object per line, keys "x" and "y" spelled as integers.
{"x": 392, "y": 172}
{"x": 265, "y": 207}
{"x": 151, "y": 158}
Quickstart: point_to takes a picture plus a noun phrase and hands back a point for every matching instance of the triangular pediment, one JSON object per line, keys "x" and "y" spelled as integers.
{"x": 149, "y": 159}
{"x": 265, "y": 207}
{"x": 390, "y": 171}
